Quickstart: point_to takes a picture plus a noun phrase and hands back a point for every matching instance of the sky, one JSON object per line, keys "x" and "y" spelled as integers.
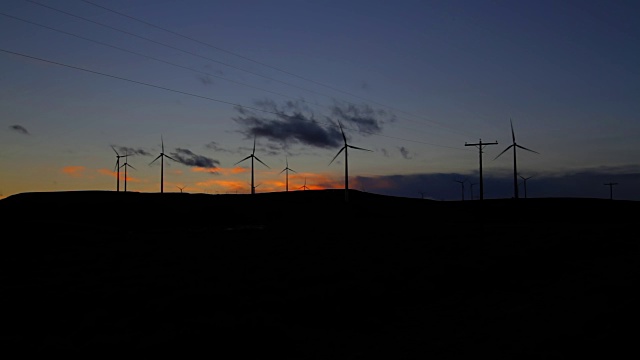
{"x": 414, "y": 86}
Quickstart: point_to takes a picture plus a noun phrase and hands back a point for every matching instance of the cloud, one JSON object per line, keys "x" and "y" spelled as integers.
{"x": 20, "y": 129}
{"x": 404, "y": 152}
{"x": 215, "y": 147}
{"x": 589, "y": 183}
{"x": 294, "y": 123}
{"x": 124, "y": 150}
{"x": 187, "y": 157}
{"x": 365, "y": 118}
{"x": 74, "y": 171}
{"x": 205, "y": 80}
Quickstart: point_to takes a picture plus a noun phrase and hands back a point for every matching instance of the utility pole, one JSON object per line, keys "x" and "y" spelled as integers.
{"x": 611, "y": 189}
{"x": 480, "y": 145}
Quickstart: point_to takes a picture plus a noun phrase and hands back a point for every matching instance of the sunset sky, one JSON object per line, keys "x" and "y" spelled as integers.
{"x": 416, "y": 82}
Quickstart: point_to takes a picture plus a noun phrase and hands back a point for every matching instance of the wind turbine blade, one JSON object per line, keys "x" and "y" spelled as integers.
{"x": 344, "y": 147}
{"x": 171, "y": 158}
{"x": 255, "y": 157}
{"x": 117, "y": 165}
{"x": 282, "y": 171}
{"x": 292, "y": 170}
{"x": 254, "y": 146}
{"x": 114, "y": 150}
{"x": 358, "y": 148}
{"x": 159, "y": 156}
{"x": 162, "y": 143}
{"x": 513, "y": 135}
{"x": 342, "y": 131}
{"x": 503, "y": 151}
{"x": 131, "y": 166}
{"x": 524, "y": 148}
{"x": 242, "y": 160}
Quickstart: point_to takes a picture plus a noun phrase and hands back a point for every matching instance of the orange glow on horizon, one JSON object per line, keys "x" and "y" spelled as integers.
{"x": 74, "y": 171}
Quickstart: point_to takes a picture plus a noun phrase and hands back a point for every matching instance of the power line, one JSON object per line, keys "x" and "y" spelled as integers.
{"x": 200, "y": 96}
{"x": 252, "y": 60}
{"x": 225, "y": 64}
{"x": 165, "y": 62}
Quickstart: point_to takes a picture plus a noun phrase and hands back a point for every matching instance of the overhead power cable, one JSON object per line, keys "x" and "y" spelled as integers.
{"x": 201, "y": 96}
{"x": 229, "y": 65}
{"x": 167, "y": 62}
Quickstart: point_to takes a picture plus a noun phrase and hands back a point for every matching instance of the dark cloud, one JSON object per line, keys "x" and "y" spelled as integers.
{"x": 187, "y": 157}
{"x": 295, "y": 123}
{"x": 124, "y": 150}
{"x": 590, "y": 183}
{"x": 288, "y": 125}
{"x": 205, "y": 80}
{"x": 404, "y": 152}
{"x": 20, "y": 129}
{"x": 363, "y": 117}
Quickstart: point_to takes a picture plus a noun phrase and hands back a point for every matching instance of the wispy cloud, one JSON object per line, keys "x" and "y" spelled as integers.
{"x": 74, "y": 171}
{"x": 215, "y": 147}
{"x": 125, "y": 150}
{"x": 405, "y": 153}
{"x": 20, "y": 129}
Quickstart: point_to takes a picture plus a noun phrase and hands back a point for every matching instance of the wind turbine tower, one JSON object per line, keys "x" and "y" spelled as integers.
{"x": 117, "y": 168}
{"x": 611, "y": 189}
{"x": 286, "y": 170}
{"x": 524, "y": 182}
{"x": 125, "y": 166}
{"x": 253, "y": 156}
{"x": 346, "y": 162}
{"x": 471, "y": 190}
{"x": 161, "y": 157}
{"x": 462, "y": 185}
{"x": 514, "y": 145}
{"x": 480, "y": 145}
{"x": 304, "y": 187}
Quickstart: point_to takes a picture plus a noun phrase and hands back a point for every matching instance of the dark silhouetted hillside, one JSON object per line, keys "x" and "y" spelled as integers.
{"x": 304, "y": 275}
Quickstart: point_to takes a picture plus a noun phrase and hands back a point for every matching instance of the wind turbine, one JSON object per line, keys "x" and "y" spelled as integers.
{"x": 514, "y": 145}
{"x": 161, "y": 157}
{"x": 611, "y": 189}
{"x": 524, "y": 181}
{"x": 118, "y": 156}
{"x": 181, "y": 188}
{"x": 252, "y": 156}
{"x": 346, "y": 163}
{"x": 304, "y": 187}
{"x": 286, "y": 170}
{"x": 125, "y": 165}
{"x": 471, "y": 191}
{"x": 462, "y": 184}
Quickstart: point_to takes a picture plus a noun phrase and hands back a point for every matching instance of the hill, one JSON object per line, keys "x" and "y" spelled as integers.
{"x": 304, "y": 274}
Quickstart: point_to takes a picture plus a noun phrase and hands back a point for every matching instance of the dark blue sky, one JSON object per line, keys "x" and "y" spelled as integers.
{"x": 412, "y": 81}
